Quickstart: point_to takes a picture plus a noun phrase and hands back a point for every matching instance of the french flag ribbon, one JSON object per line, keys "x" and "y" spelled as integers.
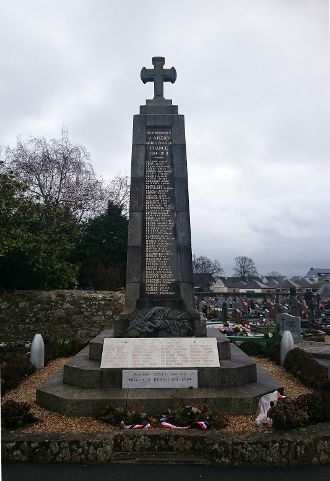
{"x": 201, "y": 424}
{"x": 167, "y": 425}
{"x": 145, "y": 425}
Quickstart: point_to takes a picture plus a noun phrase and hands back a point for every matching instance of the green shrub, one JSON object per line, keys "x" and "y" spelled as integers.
{"x": 115, "y": 416}
{"x": 16, "y": 414}
{"x": 186, "y": 415}
{"x": 317, "y": 406}
{"x": 275, "y": 353}
{"x": 287, "y": 415}
{"x": 51, "y": 351}
{"x": 306, "y": 409}
{"x": 271, "y": 338}
{"x": 62, "y": 347}
{"x": 302, "y": 365}
{"x": 14, "y": 372}
{"x": 252, "y": 348}
{"x": 179, "y": 415}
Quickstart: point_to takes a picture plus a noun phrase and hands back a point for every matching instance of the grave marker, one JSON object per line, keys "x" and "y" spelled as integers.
{"x": 289, "y": 323}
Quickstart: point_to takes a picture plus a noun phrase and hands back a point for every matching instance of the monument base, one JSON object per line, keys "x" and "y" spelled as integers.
{"x": 82, "y": 388}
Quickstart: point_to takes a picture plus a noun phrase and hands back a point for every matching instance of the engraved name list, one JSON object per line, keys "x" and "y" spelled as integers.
{"x": 159, "y": 214}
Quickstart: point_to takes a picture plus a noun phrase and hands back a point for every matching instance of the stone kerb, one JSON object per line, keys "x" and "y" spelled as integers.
{"x": 303, "y": 446}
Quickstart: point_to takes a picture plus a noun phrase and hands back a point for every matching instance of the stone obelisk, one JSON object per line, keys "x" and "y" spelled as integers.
{"x": 159, "y": 277}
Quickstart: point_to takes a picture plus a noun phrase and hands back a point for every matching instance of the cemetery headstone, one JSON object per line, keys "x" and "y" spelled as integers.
{"x": 37, "y": 353}
{"x": 295, "y": 306}
{"x": 290, "y": 323}
{"x": 239, "y": 304}
{"x": 220, "y": 301}
{"x": 287, "y": 344}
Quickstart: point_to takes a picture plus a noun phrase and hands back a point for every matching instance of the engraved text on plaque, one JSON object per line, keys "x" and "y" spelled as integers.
{"x": 159, "y": 214}
{"x": 132, "y": 353}
{"x": 157, "y": 379}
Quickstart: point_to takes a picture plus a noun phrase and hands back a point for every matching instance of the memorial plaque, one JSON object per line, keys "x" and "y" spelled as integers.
{"x": 158, "y": 379}
{"x": 136, "y": 353}
{"x": 159, "y": 214}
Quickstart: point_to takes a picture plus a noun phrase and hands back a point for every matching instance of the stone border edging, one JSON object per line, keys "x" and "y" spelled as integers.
{"x": 303, "y": 446}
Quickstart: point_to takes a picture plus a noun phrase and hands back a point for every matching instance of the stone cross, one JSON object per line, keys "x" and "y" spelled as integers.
{"x": 158, "y": 75}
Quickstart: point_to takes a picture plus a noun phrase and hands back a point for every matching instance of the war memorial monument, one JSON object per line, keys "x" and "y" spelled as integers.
{"x": 159, "y": 347}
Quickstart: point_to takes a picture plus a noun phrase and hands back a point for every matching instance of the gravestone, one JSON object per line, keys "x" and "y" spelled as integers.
{"x": 159, "y": 277}
{"x": 280, "y": 309}
{"x": 37, "y": 353}
{"x": 239, "y": 305}
{"x": 287, "y": 344}
{"x": 220, "y": 301}
{"x": 290, "y": 323}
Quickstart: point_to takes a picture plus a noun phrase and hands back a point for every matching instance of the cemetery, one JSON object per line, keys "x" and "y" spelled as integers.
{"x": 162, "y": 373}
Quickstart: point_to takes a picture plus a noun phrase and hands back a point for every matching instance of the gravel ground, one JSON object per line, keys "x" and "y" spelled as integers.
{"x": 292, "y": 387}
{"x": 52, "y": 422}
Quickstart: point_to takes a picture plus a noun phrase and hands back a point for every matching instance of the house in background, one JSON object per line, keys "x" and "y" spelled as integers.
{"x": 322, "y": 275}
{"x": 324, "y": 291}
{"x": 203, "y": 281}
{"x": 264, "y": 285}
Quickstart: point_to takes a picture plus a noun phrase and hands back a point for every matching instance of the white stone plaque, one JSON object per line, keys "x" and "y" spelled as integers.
{"x": 170, "y": 352}
{"x": 157, "y": 379}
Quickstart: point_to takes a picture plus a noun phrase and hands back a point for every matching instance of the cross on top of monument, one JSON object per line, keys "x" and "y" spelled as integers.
{"x": 158, "y": 75}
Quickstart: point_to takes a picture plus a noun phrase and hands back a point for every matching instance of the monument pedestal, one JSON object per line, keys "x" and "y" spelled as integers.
{"x": 83, "y": 388}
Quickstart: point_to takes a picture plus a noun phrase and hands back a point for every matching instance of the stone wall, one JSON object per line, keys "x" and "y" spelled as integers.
{"x": 62, "y": 314}
{"x": 305, "y": 446}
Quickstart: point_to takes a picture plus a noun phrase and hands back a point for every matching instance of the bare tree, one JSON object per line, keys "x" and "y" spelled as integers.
{"x": 206, "y": 271}
{"x": 119, "y": 191}
{"x": 57, "y": 172}
{"x": 244, "y": 267}
{"x": 204, "y": 265}
{"x": 274, "y": 274}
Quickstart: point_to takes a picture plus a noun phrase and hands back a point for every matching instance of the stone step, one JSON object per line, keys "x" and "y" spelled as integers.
{"x": 83, "y": 372}
{"x": 96, "y": 345}
{"x": 56, "y": 396}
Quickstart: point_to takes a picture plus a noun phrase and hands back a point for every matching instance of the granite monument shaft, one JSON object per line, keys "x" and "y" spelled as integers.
{"x": 159, "y": 264}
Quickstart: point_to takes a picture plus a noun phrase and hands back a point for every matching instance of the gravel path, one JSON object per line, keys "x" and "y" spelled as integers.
{"x": 52, "y": 422}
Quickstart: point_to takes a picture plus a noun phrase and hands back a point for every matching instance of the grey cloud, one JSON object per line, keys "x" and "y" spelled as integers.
{"x": 253, "y": 83}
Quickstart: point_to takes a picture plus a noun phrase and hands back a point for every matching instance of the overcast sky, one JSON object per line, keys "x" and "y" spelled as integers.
{"x": 254, "y": 86}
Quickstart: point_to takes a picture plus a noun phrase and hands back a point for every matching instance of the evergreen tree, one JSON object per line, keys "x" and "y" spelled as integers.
{"x": 36, "y": 240}
{"x": 102, "y": 250}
